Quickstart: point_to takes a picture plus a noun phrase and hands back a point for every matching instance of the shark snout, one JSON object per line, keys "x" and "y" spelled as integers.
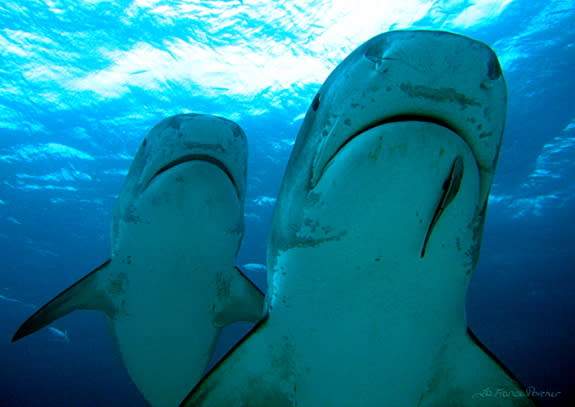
{"x": 420, "y": 76}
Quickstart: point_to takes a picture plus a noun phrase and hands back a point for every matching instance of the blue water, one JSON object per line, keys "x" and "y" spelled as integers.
{"x": 81, "y": 82}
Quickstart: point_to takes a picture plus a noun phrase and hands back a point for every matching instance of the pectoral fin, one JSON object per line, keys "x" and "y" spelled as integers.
{"x": 449, "y": 191}
{"x": 251, "y": 374}
{"x": 238, "y": 299}
{"x": 466, "y": 374}
{"x": 84, "y": 294}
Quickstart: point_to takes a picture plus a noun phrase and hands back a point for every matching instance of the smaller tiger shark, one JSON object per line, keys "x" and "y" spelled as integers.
{"x": 375, "y": 234}
{"x": 171, "y": 282}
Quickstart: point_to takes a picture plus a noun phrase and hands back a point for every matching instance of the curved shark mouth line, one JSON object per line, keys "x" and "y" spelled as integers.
{"x": 196, "y": 157}
{"x": 388, "y": 120}
{"x": 450, "y": 185}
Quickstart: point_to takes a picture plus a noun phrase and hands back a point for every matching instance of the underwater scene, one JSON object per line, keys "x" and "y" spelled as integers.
{"x": 291, "y": 203}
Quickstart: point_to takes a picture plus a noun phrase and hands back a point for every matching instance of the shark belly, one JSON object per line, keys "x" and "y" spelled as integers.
{"x": 185, "y": 278}
{"x": 361, "y": 250}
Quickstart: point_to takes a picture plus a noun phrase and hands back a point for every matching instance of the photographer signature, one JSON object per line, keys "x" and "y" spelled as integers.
{"x": 530, "y": 391}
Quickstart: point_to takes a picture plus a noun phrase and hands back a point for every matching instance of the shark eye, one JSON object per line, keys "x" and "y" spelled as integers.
{"x": 315, "y": 103}
{"x": 144, "y": 143}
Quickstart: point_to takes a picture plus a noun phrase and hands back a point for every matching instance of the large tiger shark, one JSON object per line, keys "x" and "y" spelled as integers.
{"x": 374, "y": 238}
{"x": 171, "y": 283}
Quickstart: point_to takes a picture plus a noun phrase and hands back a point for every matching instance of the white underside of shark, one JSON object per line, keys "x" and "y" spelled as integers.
{"x": 171, "y": 282}
{"x": 375, "y": 235}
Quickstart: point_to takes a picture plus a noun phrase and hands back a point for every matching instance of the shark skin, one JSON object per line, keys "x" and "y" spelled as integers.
{"x": 171, "y": 282}
{"x": 375, "y": 235}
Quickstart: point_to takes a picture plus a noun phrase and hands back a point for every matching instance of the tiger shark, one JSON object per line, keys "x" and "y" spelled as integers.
{"x": 171, "y": 283}
{"x": 374, "y": 237}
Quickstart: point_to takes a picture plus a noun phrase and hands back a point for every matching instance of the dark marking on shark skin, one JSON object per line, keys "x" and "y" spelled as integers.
{"x": 458, "y": 244}
{"x": 283, "y": 359}
{"x": 130, "y": 216}
{"x": 476, "y": 225}
{"x": 237, "y": 130}
{"x": 439, "y": 375}
{"x": 311, "y": 225}
{"x": 449, "y": 95}
{"x": 308, "y": 241}
{"x": 313, "y": 199}
{"x": 175, "y": 122}
{"x": 117, "y": 286}
{"x": 238, "y": 228}
{"x": 295, "y": 238}
{"x": 223, "y": 287}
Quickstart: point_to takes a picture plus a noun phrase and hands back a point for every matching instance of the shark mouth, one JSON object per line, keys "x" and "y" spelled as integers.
{"x": 447, "y": 190}
{"x": 195, "y": 157}
{"x": 325, "y": 157}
